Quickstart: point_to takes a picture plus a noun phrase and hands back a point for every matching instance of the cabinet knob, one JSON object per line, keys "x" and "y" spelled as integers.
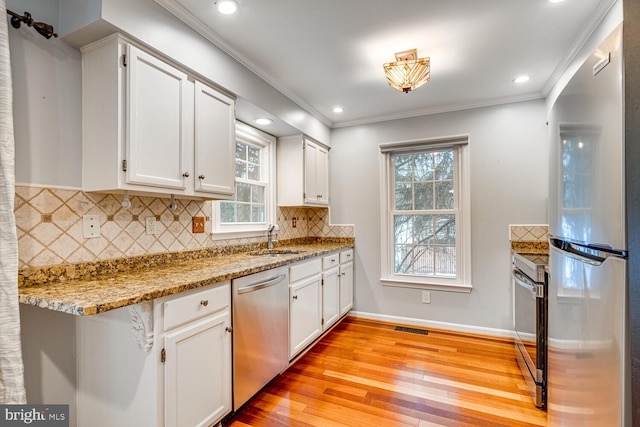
{"x": 186, "y": 174}
{"x": 204, "y": 302}
{"x": 343, "y": 274}
{"x": 201, "y": 177}
{"x": 295, "y": 297}
{"x": 228, "y": 329}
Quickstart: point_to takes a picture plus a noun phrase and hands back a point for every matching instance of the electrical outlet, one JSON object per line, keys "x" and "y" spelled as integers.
{"x": 426, "y": 297}
{"x": 197, "y": 224}
{"x": 90, "y": 226}
{"x": 150, "y": 223}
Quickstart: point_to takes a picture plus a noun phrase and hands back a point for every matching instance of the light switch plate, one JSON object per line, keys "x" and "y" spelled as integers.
{"x": 91, "y": 226}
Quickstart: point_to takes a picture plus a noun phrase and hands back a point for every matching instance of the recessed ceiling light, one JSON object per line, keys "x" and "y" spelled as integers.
{"x": 263, "y": 121}
{"x": 554, "y": 1}
{"x": 521, "y": 79}
{"x": 338, "y": 109}
{"x": 227, "y": 7}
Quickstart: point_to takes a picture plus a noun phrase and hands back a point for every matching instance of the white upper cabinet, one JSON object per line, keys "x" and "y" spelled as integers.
{"x": 214, "y": 141}
{"x": 151, "y": 128}
{"x": 303, "y": 172}
{"x": 156, "y": 113}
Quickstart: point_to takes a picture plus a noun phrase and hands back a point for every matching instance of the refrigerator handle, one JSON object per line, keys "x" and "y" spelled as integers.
{"x": 590, "y": 253}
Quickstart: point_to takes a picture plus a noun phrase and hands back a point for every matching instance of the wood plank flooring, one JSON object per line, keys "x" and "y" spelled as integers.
{"x": 364, "y": 373}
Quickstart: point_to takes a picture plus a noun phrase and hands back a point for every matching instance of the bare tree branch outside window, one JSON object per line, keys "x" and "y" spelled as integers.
{"x": 424, "y": 213}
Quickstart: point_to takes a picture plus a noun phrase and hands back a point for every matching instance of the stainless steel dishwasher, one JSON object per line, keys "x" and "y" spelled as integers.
{"x": 260, "y": 331}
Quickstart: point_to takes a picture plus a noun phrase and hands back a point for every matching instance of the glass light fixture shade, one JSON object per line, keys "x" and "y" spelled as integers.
{"x": 408, "y": 72}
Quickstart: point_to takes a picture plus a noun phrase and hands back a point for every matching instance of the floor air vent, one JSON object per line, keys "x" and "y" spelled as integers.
{"x": 411, "y": 330}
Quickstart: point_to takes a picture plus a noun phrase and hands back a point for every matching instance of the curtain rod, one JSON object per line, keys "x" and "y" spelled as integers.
{"x": 46, "y": 30}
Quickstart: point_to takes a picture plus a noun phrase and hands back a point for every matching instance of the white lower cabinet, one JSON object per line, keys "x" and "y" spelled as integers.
{"x": 346, "y": 281}
{"x": 197, "y": 373}
{"x": 182, "y": 378}
{"x": 330, "y": 291}
{"x": 305, "y": 304}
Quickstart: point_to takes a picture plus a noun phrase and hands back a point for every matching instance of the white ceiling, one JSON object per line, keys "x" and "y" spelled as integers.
{"x": 330, "y": 52}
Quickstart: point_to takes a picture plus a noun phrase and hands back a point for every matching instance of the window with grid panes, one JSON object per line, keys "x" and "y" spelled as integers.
{"x": 425, "y": 224}
{"x": 252, "y": 208}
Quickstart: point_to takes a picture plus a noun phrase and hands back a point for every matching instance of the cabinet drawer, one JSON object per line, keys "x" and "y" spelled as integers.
{"x": 190, "y": 307}
{"x": 304, "y": 269}
{"x": 330, "y": 261}
{"x": 346, "y": 256}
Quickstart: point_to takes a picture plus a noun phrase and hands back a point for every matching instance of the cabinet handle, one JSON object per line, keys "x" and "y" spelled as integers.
{"x": 228, "y": 329}
{"x": 295, "y": 297}
{"x": 201, "y": 177}
{"x": 186, "y": 174}
{"x": 204, "y": 302}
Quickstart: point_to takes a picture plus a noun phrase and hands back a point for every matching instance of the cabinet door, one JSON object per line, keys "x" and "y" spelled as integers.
{"x": 310, "y": 187}
{"x": 156, "y": 121}
{"x": 214, "y": 141}
{"x": 330, "y": 298}
{"x": 305, "y": 312}
{"x": 316, "y": 174}
{"x": 198, "y": 372}
{"x": 322, "y": 175}
{"x": 346, "y": 287}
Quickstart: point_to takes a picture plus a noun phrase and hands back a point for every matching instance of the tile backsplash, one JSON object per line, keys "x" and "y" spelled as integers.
{"x": 529, "y": 233}
{"x": 49, "y": 225}
{"x": 529, "y": 238}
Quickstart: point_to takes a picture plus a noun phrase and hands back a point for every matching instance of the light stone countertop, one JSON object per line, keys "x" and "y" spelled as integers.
{"x": 92, "y": 295}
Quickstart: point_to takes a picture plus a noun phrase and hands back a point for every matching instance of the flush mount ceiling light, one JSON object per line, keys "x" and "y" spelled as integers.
{"x": 408, "y": 72}
{"x": 338, "y": 109}
{"x": 263, "y": 121}
{"x": 521, "y": 79}
{"x": 227, "y": 7}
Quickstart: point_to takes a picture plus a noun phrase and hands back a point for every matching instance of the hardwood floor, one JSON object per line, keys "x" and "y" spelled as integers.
{"x": 364, "y": 373}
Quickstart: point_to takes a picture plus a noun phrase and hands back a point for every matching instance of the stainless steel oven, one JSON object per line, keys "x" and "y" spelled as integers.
{"x": 529, "y": 272}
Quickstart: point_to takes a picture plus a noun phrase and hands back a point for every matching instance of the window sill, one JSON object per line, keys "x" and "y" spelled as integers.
{"x": 457, "y": 287}
{"x": 225, "y": 235}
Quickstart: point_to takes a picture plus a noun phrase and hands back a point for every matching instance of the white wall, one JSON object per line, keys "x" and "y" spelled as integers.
{"x": 509, "y": 157}
{"x": 46, "y": 101}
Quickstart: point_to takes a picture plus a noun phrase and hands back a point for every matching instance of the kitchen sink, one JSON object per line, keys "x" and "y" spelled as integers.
{"x": 275, "y": 252}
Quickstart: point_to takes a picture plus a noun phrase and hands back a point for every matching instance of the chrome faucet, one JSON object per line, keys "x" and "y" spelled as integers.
{"x": 270, "y": 240}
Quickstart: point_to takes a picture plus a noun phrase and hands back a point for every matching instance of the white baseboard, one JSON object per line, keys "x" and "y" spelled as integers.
{"x": 457, "y": 327}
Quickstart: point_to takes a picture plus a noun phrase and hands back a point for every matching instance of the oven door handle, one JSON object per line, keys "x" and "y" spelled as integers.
{"x": 524, "y": 282}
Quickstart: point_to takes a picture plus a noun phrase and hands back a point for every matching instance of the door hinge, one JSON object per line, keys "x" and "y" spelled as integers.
{"x": 304, "y": 195}
{"x": 124, "y": 60}
{"x": 124, "y": 166}
{"x": 322, "y": 282}
{"x": 539, "y": 291}
{"x": 163, "y": 355}
{"x": 323, "y": 321}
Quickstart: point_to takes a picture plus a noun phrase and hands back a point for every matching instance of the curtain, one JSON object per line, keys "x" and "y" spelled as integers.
{"x": 11, "y": 368}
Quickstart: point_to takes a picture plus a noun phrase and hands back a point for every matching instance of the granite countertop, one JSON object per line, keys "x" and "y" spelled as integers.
{"x": 98, "y": 287}
{"x": 530, "y": 247}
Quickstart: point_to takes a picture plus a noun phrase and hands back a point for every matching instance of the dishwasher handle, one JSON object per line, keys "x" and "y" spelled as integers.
{"x": 262, "y": 284}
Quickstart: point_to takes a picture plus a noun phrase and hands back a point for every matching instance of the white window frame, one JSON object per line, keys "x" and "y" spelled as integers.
{"x": 267, "y": 143}
{"x": 462, "y": 281}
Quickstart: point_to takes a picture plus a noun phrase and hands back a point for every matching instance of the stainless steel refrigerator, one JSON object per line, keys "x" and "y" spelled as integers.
{"x": 587, "y": 348}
